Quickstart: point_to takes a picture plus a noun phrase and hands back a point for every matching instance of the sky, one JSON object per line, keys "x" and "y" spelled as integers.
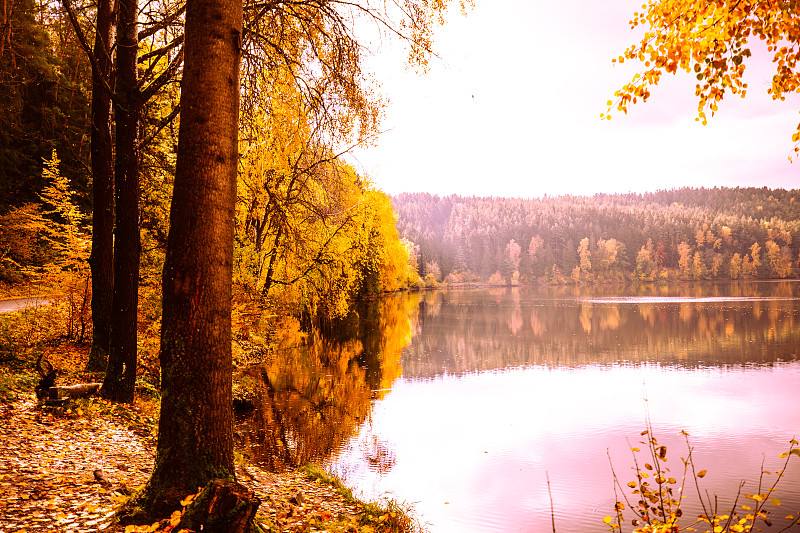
{"x": 511, "y": 107}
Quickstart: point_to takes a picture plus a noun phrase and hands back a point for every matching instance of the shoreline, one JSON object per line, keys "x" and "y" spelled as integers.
{"x": 70, "y": 468}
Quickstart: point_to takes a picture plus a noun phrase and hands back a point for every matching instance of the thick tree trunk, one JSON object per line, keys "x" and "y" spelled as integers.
{"x": 195, "y": 440}
{"x": 102, "y": 191}
{"x": 120, "y": 378}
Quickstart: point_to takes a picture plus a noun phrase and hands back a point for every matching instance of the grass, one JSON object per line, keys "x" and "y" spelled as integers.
{"x": 21, "y": 341}
{"x": 388, "y": 516}
{"x": 15, "y": 385}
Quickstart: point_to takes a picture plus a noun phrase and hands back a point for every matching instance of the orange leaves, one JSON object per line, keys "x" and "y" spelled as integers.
{"x": 709, "y": 40}
{"x": 168, "y": 525}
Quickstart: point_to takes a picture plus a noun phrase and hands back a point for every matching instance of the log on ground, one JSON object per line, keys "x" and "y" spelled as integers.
{"x": 73, "y": 392}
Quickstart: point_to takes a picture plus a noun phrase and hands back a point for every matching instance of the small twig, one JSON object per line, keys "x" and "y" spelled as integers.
{"x": 552, "y": 510}
{"x": 618, "y": 484}
{"x": 731, "y": 515}
{"x": 690, "y": 460}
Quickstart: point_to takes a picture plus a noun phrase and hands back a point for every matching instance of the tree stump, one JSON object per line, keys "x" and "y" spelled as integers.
{"x": 222, "y": 507}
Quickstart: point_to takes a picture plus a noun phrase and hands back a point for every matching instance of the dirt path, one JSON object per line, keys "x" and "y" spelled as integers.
{"x": 13, "y": 304}
{"x": 68, "y": 473}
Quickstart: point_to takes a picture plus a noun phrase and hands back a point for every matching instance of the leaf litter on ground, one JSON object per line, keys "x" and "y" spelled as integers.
{"x": 68, "y": 470}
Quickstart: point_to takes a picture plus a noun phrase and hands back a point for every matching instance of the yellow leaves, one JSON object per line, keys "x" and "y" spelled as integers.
{"x": 710, "y": 40}
{"x": 740, "y": 526}
{"x": 168, "y": 526}
{"x": 143, "y": 529}
{"x": 188, "y": 499}
{"x": 175, "y": 518}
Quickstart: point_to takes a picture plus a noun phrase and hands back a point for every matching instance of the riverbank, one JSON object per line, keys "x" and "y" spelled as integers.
{"x": 68, "y": 469}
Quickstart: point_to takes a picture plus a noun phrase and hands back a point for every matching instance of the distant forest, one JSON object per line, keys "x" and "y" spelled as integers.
{"x": 690, "y": 234}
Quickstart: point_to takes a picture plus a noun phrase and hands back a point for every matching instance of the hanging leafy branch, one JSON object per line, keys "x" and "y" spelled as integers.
{"x": 711, "y": 40}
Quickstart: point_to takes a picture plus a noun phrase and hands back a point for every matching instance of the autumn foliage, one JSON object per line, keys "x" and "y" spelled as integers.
{"x": 655, "y": 501}
{"x": 685, "y": 234}
{"x": 713, "y": 41}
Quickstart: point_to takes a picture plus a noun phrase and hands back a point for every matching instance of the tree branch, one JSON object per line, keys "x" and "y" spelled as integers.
{"x": 163, "y": 123}
{"x": 162, "y": 79}
{"x": 85, "y": 45}
{"x": 152, "y": 30}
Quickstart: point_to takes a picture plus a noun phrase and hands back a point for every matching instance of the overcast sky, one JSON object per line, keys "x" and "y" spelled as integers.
{"x": 512, "y": 108}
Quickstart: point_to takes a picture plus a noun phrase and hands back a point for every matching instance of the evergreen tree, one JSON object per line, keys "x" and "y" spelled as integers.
{"x": 42, "y": 107}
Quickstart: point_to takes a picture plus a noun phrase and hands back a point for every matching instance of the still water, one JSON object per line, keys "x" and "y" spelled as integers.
{"x": 465, "y": 402}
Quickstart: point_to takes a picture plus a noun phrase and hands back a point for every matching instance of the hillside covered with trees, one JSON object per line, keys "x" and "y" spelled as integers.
{"x": 689, "y": 234}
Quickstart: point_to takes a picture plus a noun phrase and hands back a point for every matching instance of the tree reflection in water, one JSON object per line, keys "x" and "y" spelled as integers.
{"x": 318, "y": 388}
{"x": 685, "y": 324}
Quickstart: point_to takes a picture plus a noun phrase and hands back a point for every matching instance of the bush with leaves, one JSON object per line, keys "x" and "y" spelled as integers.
{"x": 52, "y": 247}
{"x": 656, "y": 498}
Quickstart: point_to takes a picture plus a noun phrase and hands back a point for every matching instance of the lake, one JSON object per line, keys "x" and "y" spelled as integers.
{"x": 464, "y": 402}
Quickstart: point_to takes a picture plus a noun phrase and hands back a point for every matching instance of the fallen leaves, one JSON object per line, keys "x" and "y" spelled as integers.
{"x": 47, "y": 480}
{"x": 69, "y": 474}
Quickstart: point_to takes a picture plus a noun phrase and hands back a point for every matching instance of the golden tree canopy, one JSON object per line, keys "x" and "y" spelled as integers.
{"x": 710, "y": 39}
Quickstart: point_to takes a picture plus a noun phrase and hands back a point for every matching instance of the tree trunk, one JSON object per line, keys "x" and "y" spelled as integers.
{"x": 102, "y": 191}
{"x": 195, "y": 440}
{"x": 120, "y": 378}
{"x": 271, "y": 268}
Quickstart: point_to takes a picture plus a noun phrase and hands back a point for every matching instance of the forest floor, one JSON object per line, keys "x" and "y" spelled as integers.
{"x": 65, "y": 470}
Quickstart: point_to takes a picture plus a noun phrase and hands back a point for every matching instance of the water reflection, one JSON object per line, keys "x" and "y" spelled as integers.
{"x": 481, "y": 330}
{"x": 503, "y": 387}
{"x": 319, "y": 387}
{"x": 463, "y": 401}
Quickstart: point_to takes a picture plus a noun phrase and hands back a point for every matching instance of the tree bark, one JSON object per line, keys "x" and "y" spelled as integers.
{"x": 120, "y": 378}
{"x": 195, "y": 440}
{"x": 101, "y": 260}
{"x": 271, "y": 267}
